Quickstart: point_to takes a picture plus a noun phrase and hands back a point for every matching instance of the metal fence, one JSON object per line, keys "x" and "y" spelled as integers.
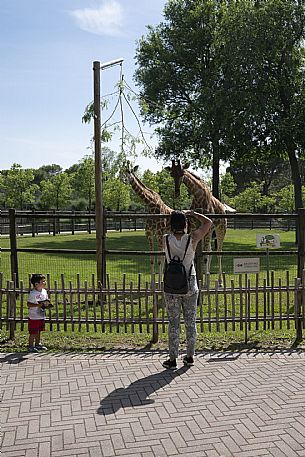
{"x": 54, "y": 223}
{"x": 36, "y": 223}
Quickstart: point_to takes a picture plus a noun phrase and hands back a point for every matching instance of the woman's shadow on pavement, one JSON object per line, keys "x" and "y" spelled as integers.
{"x": 138, "y": 392}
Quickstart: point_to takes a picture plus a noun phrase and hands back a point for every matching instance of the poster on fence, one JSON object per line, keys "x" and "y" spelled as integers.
{"x": 246, "y": 265}
{"x": 268, "y": 241}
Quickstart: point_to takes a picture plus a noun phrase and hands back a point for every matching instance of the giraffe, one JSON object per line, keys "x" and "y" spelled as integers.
{"x": 202, "y": 198}
{"x": 154, "y": 227}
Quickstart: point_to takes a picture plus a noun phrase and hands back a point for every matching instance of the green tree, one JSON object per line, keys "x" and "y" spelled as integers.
{"x": 225, "y": 79}
{"x": 116, "y": 195}
{"x": 285, "y": 199}
{"x": 178, "y": 73}
{"x": 45, "y": 172}
{"x": 18, "y": 187}
{"x": 268, "y": 171}
{"x": 251, "y": 200}
{"x": 84, "y": 179}
{"x": 2, "y": 198}
{"x": 228, "y": 188}
{"x": 262, "y": 59}
{"x": 56, "y": 191}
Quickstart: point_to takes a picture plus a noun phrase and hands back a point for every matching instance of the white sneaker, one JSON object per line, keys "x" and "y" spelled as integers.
{"x": 40, "y": 347}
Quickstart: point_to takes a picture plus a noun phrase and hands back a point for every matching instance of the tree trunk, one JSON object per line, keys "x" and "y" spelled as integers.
{"x": 297, "y": 183}
{"x": 215, "y": 166}
{"x": 296, "y": 178}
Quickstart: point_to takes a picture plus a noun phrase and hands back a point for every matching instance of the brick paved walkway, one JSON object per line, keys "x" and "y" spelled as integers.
{"x": 123, "y": 403}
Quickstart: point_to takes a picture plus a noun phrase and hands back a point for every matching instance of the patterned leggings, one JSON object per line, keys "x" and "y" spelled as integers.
{"x": 173, "y": 308}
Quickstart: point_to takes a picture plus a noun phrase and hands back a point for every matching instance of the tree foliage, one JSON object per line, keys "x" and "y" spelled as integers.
{"x": 18, "y": 187}
{"x": 84, "y": 180}
{"x": 262, "y": 55}
{"x": 56, "y": 192}
{"x": 177, "y": 74}
{"x": 225, "y": 79}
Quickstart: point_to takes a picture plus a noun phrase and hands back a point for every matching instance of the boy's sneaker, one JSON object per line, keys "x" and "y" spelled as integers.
{"x": 188, "y": 361}
{"x": 170, "y": 364}
{"x": 40, "y": 347}
{"x": 33, "y": 349}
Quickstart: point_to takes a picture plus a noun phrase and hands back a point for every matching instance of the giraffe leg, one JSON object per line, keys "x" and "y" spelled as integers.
{"x": 207, "y": 258}
{"x": 220, "y": 234}
{"x": 161, "y": 260}
{"x": 150, "y": 239}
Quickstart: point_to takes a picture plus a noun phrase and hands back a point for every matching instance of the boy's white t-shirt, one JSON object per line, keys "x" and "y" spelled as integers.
{"x": 35, "y": 296}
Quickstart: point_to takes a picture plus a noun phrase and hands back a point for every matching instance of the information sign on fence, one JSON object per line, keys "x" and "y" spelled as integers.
{"x": 268, "y": 241}
{"x": 246, "y": 265}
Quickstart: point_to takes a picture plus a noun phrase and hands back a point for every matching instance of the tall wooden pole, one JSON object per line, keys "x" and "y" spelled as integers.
{"x": 99, "y": 210}
{"x": 13, "y": 243}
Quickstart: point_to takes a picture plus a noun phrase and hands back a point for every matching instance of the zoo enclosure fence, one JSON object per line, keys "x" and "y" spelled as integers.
{"x": 238, "y": 306}
{"x": 28, "y": 256}
{"x": 35, "y": 223}
{"x": 277, "y": 301}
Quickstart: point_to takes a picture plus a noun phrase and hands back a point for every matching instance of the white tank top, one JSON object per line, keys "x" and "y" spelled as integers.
{"x": 177, "y": 247}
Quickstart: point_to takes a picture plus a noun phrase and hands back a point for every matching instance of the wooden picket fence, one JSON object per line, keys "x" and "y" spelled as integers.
{"x": 250, "y": 303}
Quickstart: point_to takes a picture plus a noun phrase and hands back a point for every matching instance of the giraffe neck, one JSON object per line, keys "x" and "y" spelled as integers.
{"x": 148, "y": 196}
{"x": 201, "y": 193}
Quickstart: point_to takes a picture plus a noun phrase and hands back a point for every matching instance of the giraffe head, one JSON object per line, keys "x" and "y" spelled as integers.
{"x": 177, "y": 172}
{"x": 126, "y": 171}
{"x": 129, "y": 176}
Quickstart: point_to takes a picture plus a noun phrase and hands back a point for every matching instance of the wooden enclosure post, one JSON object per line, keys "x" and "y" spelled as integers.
{"x": 99, "y": 210}
{"x": 155, "y": 335}
{"x": 33, "y": 223}
{"x": 11, "y": 308}
{"x": 13, "y": 243}
{"x": 199, "y": 260}
{"x": 89, "y": 222}
{"x": 54, "y": 223}
{"x": 73, "y": 222}
{"x": 301, "y": 257}
{"x": 301, "y": 240}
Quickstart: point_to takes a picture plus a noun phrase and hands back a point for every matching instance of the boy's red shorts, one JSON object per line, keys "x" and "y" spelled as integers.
{"x": 35, "y": 326}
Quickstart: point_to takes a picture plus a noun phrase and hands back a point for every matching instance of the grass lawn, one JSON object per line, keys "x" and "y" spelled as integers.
{"x": 71, "y": 264}
{"x": 83, "y": 341}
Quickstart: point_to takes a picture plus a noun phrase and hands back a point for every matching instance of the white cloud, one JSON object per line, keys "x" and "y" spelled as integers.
{"x": 105, "y": 20}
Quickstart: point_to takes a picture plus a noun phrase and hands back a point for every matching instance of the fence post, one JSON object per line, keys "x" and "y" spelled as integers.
{"x": 199, "y": 259}
{"x": 89, "y": 221}
{"x": 33, "y": 223}
{"x": 73, "y": 222}
{"x": 13, "y": 243}
{"x": 120, "y": 222}
{"x": 301, "y": 257}
{"x": 155, "y": 335}
{"x": 104, "y": 231}
{"x": 54, "y": 223}
{"x": 11, "y": 309}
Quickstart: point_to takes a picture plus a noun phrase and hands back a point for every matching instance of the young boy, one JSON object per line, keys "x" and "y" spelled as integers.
{"x": 36, "y": 312}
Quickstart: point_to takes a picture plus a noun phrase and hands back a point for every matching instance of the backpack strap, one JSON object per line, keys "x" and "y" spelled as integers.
{"x": 168, "y": 249}
{"x": 187, "y": 245}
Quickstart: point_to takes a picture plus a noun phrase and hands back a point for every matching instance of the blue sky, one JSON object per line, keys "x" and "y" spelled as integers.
{"x": 46, "y": 52}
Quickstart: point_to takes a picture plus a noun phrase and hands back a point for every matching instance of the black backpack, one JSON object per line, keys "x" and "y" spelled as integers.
{"x": 175, "y": 277}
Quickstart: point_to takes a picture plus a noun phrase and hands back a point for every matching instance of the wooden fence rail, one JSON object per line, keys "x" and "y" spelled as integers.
{"x": 251, "y": 303}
